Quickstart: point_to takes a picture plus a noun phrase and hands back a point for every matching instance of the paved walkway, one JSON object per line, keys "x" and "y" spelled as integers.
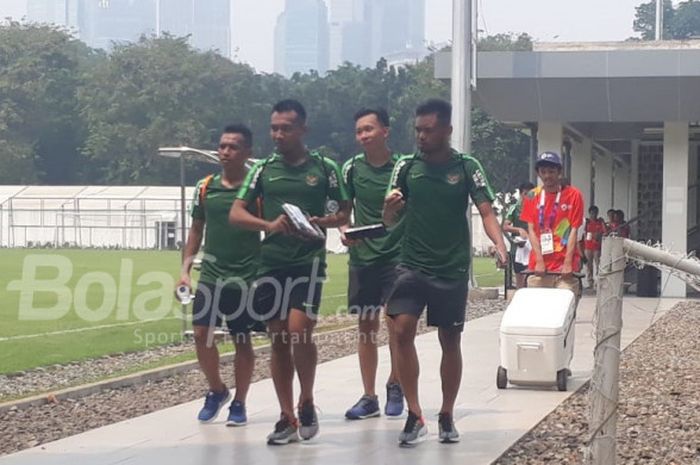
{"x": 489, "y": 420}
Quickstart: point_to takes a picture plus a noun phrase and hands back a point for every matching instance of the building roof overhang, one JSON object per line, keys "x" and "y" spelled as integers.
{"x": 587, "y": 84}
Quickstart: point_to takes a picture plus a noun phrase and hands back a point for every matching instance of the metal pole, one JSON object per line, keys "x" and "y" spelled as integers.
{"x": 183, "y": 231}
{"x": 659, "y": 19}
{"x": 652, "y": 254}
{"x": 606, "y": 368}
{"x": 461, "y": 74}
{"x": 461, "y": 91}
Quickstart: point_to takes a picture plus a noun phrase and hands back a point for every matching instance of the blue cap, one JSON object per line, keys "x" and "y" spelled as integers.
{"x": 551, "y": 158}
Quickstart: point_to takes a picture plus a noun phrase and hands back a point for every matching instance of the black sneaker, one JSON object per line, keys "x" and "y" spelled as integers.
{"x": 308, "y": 421}
{"x": 446, "y": 425}
{"x": 285, "y": 432}
{"x": 414, "y": 431}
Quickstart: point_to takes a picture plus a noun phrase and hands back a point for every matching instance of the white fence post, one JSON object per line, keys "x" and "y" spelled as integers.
{"x": 604, "y": 383}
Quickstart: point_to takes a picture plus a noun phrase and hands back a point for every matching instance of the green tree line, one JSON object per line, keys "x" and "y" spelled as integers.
{"x": 73, "y": 115}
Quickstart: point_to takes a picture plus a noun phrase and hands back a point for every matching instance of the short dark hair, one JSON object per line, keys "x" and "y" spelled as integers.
{"x": 241, "y": 129}
{"x": 592, "y": 209}
{"x": 286, "y": 105}
{"x": 612, "y": 210}
{"x": 380, "y": 113}
{"x": 621, "y": 213}
{"x": 526, "y": 186}
{"x": 441, "y": 108}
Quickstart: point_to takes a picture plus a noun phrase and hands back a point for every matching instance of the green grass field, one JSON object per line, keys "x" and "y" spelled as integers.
{"x": 81, "y": 304}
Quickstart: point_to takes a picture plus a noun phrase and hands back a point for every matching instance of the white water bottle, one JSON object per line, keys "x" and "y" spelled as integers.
{"x": 184, "y": 294}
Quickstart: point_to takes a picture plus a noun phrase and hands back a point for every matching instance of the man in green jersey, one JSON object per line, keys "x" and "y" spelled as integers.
{"x": 287, "y": 293}
{"x": 520, "y": 247}
{"x": 228, "y": 267}
{"x": 431, "y": 190}
{"x": 372, "y": 261}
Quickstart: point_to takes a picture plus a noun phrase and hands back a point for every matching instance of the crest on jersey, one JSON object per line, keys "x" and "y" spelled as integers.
{"x": 453, "y": 178}
{"x": 312, "y": 180}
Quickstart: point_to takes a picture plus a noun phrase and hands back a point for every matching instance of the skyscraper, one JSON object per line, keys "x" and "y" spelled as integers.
{"x": 58, "y": 12}
{"x": 397, "y": 27}
{"x": 103, "y": 23}
{"x": 208, "y": 22}
{"x": 348, "y": 33}
{"x": 301, "y": 37}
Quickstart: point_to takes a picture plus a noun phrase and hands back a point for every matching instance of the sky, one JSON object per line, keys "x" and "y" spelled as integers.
{"x": 545, "y": 20}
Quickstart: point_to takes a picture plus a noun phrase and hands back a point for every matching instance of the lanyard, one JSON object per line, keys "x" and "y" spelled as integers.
{"x": 553, "y": 214}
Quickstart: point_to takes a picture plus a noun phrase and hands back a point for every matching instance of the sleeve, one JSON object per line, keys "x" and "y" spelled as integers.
{"x": 529, "y": 213}
{"x": 196, "y": 208}
{"x": 576, "y": 218}
{"x": 336, "y": 185}
{"x": 479, "y": 188}
{"x": 347, "y": 175}
{"x": 510, "y": 214}
{"x": 398, "y": 176}
{"x": 251, "y": 188}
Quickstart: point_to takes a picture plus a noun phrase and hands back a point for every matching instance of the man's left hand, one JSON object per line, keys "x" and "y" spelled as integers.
{"x": 566, "y": 270}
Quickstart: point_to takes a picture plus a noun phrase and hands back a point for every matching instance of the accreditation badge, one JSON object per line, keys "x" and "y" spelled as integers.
{"x": 547, "y": 242}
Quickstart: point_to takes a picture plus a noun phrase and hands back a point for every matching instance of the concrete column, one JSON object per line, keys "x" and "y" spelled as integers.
{"x": 581, "y": 164}
{"x": 603, "y": 183}
{"x": 674, "y": 213}
{"x": 634, "y": 182}
{"x": 549, "y": 137}
{"x": 693, "y": 181}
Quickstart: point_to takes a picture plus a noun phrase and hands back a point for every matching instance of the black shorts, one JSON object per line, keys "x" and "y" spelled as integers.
{"x": 214, "y": 304}
{"x": 277, "y": 292}
{"x": 446, "y": 299}
{"x": 519, "y": 267}
{"x": 369, "y": 287}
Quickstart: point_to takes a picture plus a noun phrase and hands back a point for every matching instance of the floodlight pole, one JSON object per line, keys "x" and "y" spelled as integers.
{"x": 461, "y": 90}
{"x": 183, "y": 229}
{"x": 659, "y": 19}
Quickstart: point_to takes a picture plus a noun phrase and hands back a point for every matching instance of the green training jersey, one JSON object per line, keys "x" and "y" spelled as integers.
{"x": 366, "y": 185}
{"x": 436, "y": 235}
{"x": 229, "y": 251}
{"x": 513, "y": 215}
{"x": 307, "y": 186}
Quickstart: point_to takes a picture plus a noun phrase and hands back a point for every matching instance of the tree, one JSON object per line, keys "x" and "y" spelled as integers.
{"x": 680, "y": 23}
{"x": 506, "y": 42}
{"x": 160, "y": 92}
{"x": 41, "y": 69}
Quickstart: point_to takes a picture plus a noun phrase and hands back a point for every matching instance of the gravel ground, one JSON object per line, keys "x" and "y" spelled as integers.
{"x": 659, "y": 411}
{"x": 32, "y": 426}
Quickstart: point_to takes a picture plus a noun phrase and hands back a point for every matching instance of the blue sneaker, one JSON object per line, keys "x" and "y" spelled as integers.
{"x": 213, "y": 403}
{"x": 366, "y": 407}
{"x": 394, "y": 400}
{"x": 236, "y": 414}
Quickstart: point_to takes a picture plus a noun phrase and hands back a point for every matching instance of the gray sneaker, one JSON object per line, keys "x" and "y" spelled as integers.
{"x": 308, "y": 421}
{"x": 448, "y": 432}
{"x": 414, "y": 431}
{"x": 284, "y": 433}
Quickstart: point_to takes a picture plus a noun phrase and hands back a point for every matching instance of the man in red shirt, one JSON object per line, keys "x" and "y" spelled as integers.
{"x": 594, "y": 229}
{"x": 553, "y": 212}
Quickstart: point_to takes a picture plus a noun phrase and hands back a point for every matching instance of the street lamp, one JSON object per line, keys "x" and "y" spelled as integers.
{"x": 207, "y": 156}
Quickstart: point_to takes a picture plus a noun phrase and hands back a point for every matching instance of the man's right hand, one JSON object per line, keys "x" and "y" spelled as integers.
{"x": 280, "y": 225}
{"x": 347, "y": 242}
{"x": 393, "y": 203}
{"x": 540, "y": 269}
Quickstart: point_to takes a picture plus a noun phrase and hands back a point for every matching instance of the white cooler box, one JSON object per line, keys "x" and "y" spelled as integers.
{"x": 537, "y": 338}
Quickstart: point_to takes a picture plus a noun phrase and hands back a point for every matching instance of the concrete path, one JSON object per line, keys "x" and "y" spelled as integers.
{"x": 489, "y": 420}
